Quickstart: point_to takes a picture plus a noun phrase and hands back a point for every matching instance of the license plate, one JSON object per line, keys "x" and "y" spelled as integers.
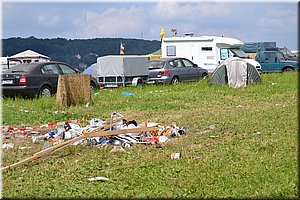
{"x": 7, "y": 82}
{"x": 111, "y": 85}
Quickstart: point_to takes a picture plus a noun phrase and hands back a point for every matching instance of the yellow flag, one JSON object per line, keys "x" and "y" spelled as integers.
{"x": 162, "y": 33}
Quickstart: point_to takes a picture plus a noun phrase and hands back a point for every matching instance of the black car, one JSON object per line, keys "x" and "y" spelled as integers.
{"x": 34, "y": 79}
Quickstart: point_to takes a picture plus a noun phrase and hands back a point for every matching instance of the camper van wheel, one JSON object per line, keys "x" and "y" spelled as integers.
{"x": 175, "y": 80}
{"x": 45, "y": 91}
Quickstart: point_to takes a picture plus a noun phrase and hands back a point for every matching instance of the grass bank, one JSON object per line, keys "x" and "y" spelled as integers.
{"x": 251, "y": 152}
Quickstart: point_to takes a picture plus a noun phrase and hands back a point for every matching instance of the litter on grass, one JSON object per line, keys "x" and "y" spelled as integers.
{"x": 117, "y": 131}
{"x": 98, "y": 179}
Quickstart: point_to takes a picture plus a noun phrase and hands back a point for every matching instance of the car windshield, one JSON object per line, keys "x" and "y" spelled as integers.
{"x": 156, "y": 64}
{"x": 20, "y": 68}
{"x": 239, "y": 53}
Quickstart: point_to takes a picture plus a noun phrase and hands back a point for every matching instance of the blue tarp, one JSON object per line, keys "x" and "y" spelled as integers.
{"x": 88, "y": 70}
{"x": 253, "y": 47}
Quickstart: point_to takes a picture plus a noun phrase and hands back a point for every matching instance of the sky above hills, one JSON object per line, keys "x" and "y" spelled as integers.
{"x": 249, "y": 21}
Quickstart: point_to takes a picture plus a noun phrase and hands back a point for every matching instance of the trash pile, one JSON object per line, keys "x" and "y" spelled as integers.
{"x": 68, "y": 130}
{"x": 118, "y": 131}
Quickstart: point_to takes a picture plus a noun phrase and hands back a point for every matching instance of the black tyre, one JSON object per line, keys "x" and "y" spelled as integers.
{"x": 175, "y": 80}
{"x": 288, "y": 69}
{"x": 204, "y": 74}
{"x": 45, "y": 91}
{"x": 92, "y": 87}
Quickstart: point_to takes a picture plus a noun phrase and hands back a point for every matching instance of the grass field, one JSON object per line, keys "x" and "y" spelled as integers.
{"x": 251, "y": 153}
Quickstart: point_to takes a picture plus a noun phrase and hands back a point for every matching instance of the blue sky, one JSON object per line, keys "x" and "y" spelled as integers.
{"x": 249, "y": 21}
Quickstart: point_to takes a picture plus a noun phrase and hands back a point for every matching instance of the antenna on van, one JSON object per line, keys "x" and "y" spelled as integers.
{"x": 174, "y": 32}
{"x": 189, "y": 34}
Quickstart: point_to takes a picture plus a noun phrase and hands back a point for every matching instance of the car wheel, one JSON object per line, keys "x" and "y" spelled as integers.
{"x": 92, "y": 87}
{"x": 45, "y": 91}
{"x": 288, "y": 69}
{"x": 204, "y": 75}
{"x": 175, "y": 80}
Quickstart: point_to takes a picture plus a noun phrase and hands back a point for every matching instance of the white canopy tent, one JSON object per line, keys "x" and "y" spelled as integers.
{"x": 29, "y": 56}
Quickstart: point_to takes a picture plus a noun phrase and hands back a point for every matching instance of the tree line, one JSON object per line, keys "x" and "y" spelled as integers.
{"x": 78, "y": 52}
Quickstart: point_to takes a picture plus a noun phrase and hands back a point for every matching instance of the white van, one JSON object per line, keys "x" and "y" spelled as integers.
{"x": 205, "y": 51}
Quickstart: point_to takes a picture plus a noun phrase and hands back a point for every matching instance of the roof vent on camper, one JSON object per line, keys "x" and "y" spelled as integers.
{"x": 189, "y": 34}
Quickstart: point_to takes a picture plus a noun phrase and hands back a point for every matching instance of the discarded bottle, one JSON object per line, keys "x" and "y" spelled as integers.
{"x": 175, "y": 155}
{"x": 197, "y": 157}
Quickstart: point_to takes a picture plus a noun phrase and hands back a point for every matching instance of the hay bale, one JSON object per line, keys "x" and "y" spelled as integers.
{"x": 73, "y": 89}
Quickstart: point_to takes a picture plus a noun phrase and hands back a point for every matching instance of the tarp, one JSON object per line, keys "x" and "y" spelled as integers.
{"x": 124, "y": 65}
{"x": 91, "y": 70}
{"x": 28, "y": 54}
{"x": 235, "y": 72}
{"x": 253, "y": 47}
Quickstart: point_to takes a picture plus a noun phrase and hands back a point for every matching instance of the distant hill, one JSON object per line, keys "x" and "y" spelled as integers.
{"x": 78, "y": 52}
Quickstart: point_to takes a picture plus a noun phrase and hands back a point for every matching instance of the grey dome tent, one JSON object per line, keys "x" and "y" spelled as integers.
{"x": 235, "y": 72}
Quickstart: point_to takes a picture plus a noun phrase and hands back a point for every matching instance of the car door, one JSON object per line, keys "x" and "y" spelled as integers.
{"x": 180, "y": 69}
{"x": 50, "y": 73}
{"x": 192, "y": 71}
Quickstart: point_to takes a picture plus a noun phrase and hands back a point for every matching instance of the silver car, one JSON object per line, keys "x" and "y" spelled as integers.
{"x": 174, "y": 70}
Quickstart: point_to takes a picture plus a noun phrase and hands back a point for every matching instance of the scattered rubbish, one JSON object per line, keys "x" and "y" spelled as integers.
{"x": 256, "y": 134}
{"x": 202, "y": 132}
{"x": 21, "y": 148}
{"x": 196, "y": 157}
{"x": 272, "y": 84}
{"x": 162, "y": 139}
{"x": 208, "y": 145}
{"x": 7, "y": 146}
{"x": 212, "y": 127}
{"x": 128, "y": 94}
{"x": 98, "y": 179}
{"x": 175, "y": 155}
{"x": 117, "y": 149}
{"x": 46, "y": 144}
{"x": 117, "y": 131}
{"x": 87, "y": 105}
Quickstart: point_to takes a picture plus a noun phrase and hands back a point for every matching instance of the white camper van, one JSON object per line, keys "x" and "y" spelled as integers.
{"x": 205, "y": 51}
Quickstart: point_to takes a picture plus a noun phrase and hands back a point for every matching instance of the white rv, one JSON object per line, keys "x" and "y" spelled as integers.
{"x": 205, "y": 51}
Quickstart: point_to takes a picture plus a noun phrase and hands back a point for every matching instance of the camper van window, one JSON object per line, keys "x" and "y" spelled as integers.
{"x": 171, "y": 50}
{"x": 225, "y": 53}
{"x": 206, "y": 48}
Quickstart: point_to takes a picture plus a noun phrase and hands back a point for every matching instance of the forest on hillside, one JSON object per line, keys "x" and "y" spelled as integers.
{"x": 78, "y": 52}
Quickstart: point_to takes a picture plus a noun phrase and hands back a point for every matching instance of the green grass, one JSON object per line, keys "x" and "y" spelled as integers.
{"x": 236, "y": 163}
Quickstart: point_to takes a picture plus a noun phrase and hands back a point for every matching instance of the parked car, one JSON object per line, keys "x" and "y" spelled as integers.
{"x": 34, "y": 79}
{"x": 174, "y": 70}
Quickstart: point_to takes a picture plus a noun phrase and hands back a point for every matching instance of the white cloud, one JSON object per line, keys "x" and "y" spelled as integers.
{"x": 48, "y": 20}
{"x": 171, "y": 10}
{"x": 112, "y": 22}
{"x": 279, "y": 20}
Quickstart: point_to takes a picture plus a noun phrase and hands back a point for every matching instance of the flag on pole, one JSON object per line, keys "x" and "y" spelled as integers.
{"x": 122, "y": 48}
{"x": 162, "y": 33}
